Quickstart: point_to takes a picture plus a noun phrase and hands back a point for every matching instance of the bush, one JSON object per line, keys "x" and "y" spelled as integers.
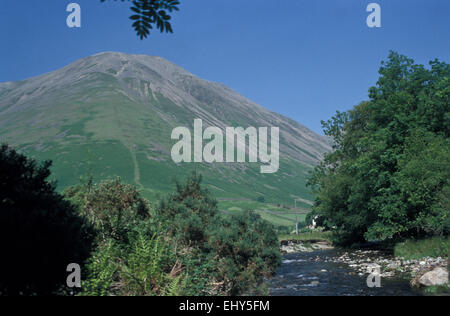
{"x": 112, "y": 207}
{"x": 188, "y": 212}
{"x": 245, "y": 249}
{"x": 182, "y": 248}
{"x": 40, "y": 232}
{"x": 221, "y": 256}
{"x": 133, "y": 258}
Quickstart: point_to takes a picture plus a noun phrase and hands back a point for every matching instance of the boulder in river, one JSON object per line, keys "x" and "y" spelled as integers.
{"x": 322, "y": 245}
{"x": 437, "y": 276}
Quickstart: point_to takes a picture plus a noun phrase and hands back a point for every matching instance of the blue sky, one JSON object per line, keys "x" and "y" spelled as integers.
{"x": 303, "y": 59}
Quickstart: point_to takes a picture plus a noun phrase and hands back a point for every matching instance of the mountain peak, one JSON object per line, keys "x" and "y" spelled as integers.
{"x": 118, "y": 61}
{"x": 123, "y": 108}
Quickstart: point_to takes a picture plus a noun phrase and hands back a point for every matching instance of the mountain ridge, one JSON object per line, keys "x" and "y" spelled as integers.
{"x": 133, "y": 101}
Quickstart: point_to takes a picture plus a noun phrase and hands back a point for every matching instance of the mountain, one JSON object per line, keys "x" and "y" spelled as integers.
{"x": 113, "y": 114}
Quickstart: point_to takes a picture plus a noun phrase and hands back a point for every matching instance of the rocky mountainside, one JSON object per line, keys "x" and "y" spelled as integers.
{"x": 113, "y": 114}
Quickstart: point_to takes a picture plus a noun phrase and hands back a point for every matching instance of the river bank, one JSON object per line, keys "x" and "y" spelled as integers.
{"x": 321, "y": 273}
{"x": 362, "y": 263}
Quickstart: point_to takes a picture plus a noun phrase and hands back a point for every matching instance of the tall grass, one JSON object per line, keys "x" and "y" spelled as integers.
{"x": 416, "y": 249}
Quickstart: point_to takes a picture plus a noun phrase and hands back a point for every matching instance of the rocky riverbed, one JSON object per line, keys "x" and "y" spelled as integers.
{"x": 293, "y": 246}
{"x": 321, "y": 273}
{"x": 423, "y": 272}
{"x": 368, "y": 261}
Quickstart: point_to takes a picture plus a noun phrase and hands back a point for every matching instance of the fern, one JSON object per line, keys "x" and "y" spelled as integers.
{"x": 175, "y": 286}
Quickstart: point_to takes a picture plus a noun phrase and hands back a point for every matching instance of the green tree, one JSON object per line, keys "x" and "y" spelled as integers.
{"x": 388, "y": 173}
{"x": 40, "y": 232}
{"x": 423, "y": 180}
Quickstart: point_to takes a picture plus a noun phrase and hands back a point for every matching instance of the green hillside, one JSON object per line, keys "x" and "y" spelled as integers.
{"x": 113, "y": 114}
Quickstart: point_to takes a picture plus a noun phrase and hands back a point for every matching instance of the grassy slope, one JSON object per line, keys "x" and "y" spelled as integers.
{"x": 96, "y": 128}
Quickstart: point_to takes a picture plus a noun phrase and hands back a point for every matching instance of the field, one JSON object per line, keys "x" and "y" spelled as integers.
{"x": 278, "y": 215}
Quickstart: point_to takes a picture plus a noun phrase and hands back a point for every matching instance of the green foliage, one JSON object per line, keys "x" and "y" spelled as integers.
{"x": 40, "y": 232}
{"x": 101, "y": 271}
{"x": 149, "y": 13}
{"x": 245, "y": 250}
{"x": 143, "y": 268}
{"x": 423, "y": 180}
{"x": 189, "y": 211}
{"x": 231, "y": 254}
{"x": 112, "y": 206}
{"x": 182, "y": 248}
{"x": 439, "y": 290}
{"x": 132, "y": 257}
{"x": 417, "y": 249}
{"x": 388, "y": 176}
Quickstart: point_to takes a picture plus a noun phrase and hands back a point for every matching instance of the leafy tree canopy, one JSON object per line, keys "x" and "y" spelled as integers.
{"x": 388, "y": 176}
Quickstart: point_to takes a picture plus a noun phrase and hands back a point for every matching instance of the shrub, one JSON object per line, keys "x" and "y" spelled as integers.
{"x": 233, "y": 255}
{"x": 40, "y": 232}
{"x": 188, "y": 212}
{"x": 112, "y": 207}
{"x": 182, "y": 248}
{"x": 245, "y": 249}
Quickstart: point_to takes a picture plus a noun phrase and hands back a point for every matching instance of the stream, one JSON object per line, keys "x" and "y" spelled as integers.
{"x": 316, "y": 274}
